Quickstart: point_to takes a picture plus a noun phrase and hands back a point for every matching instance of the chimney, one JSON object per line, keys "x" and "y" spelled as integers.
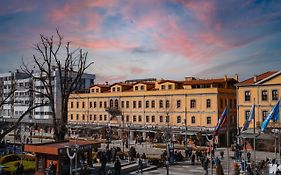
{"x": 236, "y": 77}
{"x": 255, "y": 78}
{"x": 225, "y": 77}
{"x": 106, "y": 83}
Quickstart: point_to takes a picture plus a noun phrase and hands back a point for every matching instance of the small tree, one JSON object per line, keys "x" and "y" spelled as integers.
{"x": 70, "y": 66}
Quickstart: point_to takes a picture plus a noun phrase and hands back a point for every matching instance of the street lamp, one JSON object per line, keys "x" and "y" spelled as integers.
{"x": 71, "y": 157}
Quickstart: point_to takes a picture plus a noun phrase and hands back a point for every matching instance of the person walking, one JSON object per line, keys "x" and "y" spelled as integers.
{"x": 219, "y": 169}
{"x": 206, "y": 165}
{"x": 140, "y": 167}
{"x": 117, "y": 167}
{"x": 222, "y": 154}
{"x": 52, "y": 169}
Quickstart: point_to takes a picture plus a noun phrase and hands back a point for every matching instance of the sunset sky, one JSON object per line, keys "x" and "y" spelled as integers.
{"x": 170, "y": 39}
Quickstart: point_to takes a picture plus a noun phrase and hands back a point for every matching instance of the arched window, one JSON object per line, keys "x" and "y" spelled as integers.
{"x": 111, "y": 103}
{"x": 193, "y": 119}
{"x": 160, "y": 103}
{"x": 116, "y": 103}
{"x": 178, "y": 119}
{"x": 209, "y": 120}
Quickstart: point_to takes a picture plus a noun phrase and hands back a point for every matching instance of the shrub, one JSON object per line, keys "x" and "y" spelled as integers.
{"x": 9, "y": 158}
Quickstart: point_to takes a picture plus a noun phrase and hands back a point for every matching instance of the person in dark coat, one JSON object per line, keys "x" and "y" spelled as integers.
{"x": 117, "y": 167}
{"x": 52, "y": 169}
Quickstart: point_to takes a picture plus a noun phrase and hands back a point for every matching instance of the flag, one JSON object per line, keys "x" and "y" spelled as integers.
{"x": 273, "y": 115}
{"x": 220, "y": 121}
{"x": 249, "y": 119}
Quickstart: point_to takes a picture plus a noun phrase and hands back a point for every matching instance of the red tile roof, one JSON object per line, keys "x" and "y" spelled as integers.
{"x": 171, "y": 81}
{"x": 208, "y": 81}
{"x": 101, "y": 85}
{"x": 259, "y": 78}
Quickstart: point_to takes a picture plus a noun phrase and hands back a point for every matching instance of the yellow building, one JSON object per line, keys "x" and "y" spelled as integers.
{"x": 262, "y": 90}
{"x": 192, "y": 104}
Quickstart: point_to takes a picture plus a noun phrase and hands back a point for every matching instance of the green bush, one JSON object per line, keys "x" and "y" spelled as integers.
{"x": 29, "y": 166}
{"x": 9, "y": 158}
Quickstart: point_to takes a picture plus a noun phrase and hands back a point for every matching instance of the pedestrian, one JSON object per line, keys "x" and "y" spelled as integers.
{"x": 52, "y": 169}
{"x": 140, "y": 167}
{"x": 18, "y": 170}
{"x": 222, "y": 153}
{"x": 117, "y": 167}
{"x": 206, "y": 165}
{"x": 192, "y": 159}
{"x": 219, "y": 169}
{"x": 249, "y": 156}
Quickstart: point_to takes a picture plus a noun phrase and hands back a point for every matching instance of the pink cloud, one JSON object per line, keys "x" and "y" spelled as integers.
{"x": 203, "y": 10}
{"x": 111, "y": 79}
{"x": 103, "y": 44}
{"x": 137, "y": 70}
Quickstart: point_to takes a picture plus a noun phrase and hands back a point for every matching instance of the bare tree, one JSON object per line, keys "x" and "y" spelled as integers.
{"x": 6, "y": 127}
{"x": 69, "y": 65}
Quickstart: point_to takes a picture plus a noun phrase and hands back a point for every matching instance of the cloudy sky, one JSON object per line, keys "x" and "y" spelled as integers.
{"x": 168, "y": 39}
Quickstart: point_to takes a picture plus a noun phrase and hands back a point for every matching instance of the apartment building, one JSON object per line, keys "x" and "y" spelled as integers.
{"x": 189, "y": 106}
{"x": 22, "y": 97}
{"x": 262, "y": 90}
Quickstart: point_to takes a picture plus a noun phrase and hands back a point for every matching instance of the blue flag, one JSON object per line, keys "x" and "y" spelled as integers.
{"x": 273, "y": 115}
{"x": 249, "y": 119}
{"x": 221, "y": 121}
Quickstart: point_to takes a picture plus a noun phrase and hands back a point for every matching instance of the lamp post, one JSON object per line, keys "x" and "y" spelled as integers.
{"x": 71, "y": 157}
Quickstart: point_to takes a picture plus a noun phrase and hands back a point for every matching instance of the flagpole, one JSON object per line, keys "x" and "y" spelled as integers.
{"x": 227, "y": 136}
{"x": 254, "y": 138}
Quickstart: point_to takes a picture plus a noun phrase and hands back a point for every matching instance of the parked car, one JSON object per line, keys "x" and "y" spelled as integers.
{"x": 3, "y": 171}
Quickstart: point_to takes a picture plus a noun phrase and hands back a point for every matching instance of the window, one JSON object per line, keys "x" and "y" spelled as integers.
{"x": 209, "y": 120}
{"x": 113, "y": 89}
{"x": 140, "y": 104}
{"x": 160, "y": 103}
{"x": 264, "y": 95}
{"x": 178, "y": 119}
{"x": 111, "y": 103}
{"x": 100, "y": 117}
{"x": 147, "y": 119}
{"x": 71, "y": 104}
{"x": 146, "y": 104}
{"x": 83, "y": 117}
{"x": 264, "y": 115}
{"x": 178, "y": 103}
{"x": 153, "y": 119}
{"x": 116, "y": 103}
{"x": 95, "y": 104}
{"x": 161, "y": 119}
{"x": 127, "y": 104}
{"x": 208, "y": 103}
{"x": 97, "y": 90}
{"x": 169, "y": 86}
{"x": 77, "y": 116}
{"x": 139, "y": 118}
{"x": 100, "y": 104}
{"x": 142, "y": 87}
{"x": 193, "y": 103}
{"x": 275, "y": 95}
{"x": 134, "y": 104}
{"x": 91, "y": 105}
{"x": 91, "y": 117}
{"x": 247, "y": 96}
{"x": 105, "y": 117}
{"x": 105, "y": 104}
{"x": 95, "y": 117}
{"x": 71, "y": 116}
{"x": 77, "y": 104}
{"x": 127, "y": 118}
{"x": 193, "y": 120}
{"x": 152, "y": 104}
{"x": 122, "y": 104}
{"x": 167, "y": 103}
{"x": 247, "y": 115}
{"x": 136, "y": 88}
{"x": 134, "y": 118}
{"x": 162, "y": 87}
{"x": 118, "y": 89}
{"x": 167, "y": 119}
